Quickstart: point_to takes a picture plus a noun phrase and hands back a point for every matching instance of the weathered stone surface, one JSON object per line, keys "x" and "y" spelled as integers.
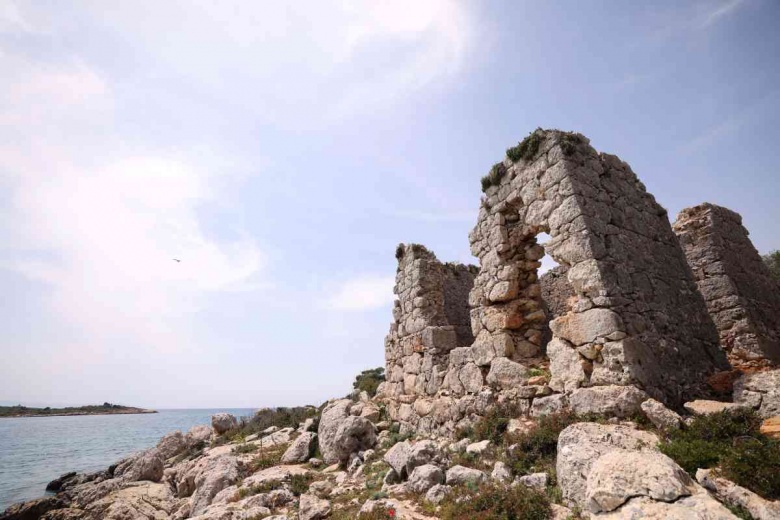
{"x": 565, "y": 365}
{"x": 477, "y": 448}
{"x": 341, "y": 434}
{"x": 587, "y": 326}
{"x": 661, "y": 417}
{"x": 145, "y": 466}
{"x": 222, "y": 422}
{"x": 424, "y": 477}
{"x": 537, "y": 481}
{"x": 732, "y": 494}
{"x": 618, "y": 401}
{"x": 742, "y": 297}
{"x": 142, "y": 500}
{"x": 506, "y": 374}
{"x": 760, "y": 390}
{"x": 700, "y": 506}
{"x": 619, "y": 475}
{"x": 301, "y": 449}
{"x": 33, "y": 509}
{"x": 501, "y": 472}
{"x": 551, "y": 404}
{"x": 313, "y": 508}
{"x": 215, "y": 475}
{"x": 459, "y": 475}
{"x": 581, "y": 444}
{"x": 397, "y": 457}
{"x": 704, "y": 407}
{"x": 172, "y": 444}
{"x": 771, "y": 427}
{"x": 437, "y": 493}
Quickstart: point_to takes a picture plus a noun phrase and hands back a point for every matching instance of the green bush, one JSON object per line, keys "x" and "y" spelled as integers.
{"x": 536, "y": 450}
{"x": 369, "y": 380}
{"x": 299, "y": 484}
{"x": 491, "y": 426}
{"x": 493, "y": 178}
{"x": 399, "y": 252}
{"x": 528, "y": 147}
{"x": 772, "y": 260}
{"x": 732, "y": 441}
{"x": 493, "y": 501}
{"x": 244, "y": 448}
{"x": 280, "y": 417}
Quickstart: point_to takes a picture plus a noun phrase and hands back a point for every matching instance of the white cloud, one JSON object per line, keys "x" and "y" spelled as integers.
{"x": 363, "y": 293}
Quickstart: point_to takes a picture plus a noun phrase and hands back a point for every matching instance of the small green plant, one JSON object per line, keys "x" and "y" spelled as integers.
{"x": 494, "y": 501}
{"x": 536, "y": 449}
{"x": 493, "y": 425}
{"x": 739, "y": 512}
{"x": 244, "y": 448}
{"x": 535, "y": 372}
{"x": 527, "y": 148}
{"x": 369, "y": 380}
{"x": 266, "y": 458}
{"x": 493, "y": 178}
{"x": 569, "y": 143}
{"x": 299, "y": 484}
{"x": 732, "y": 441}
{"x": 399, "y": 252}
{"x": 256, "y": 489}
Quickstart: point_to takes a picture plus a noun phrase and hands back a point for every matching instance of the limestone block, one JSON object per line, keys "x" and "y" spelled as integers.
{"x": 586, "y": 327}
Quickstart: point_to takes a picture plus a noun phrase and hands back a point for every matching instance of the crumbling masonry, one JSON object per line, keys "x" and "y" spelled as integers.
{"x": 742, "y": 297}
{"x": 635, "y": 318}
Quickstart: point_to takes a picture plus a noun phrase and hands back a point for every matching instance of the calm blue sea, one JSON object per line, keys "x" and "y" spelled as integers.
{"x": 35, "y": 450}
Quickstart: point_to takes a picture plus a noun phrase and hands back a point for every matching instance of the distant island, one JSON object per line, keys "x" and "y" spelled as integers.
{"x": 100, "y": 409}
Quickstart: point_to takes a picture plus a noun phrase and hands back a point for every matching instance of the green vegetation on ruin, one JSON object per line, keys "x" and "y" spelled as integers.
{"x": 369, "y": 380}
{"x": 772, "y": 261}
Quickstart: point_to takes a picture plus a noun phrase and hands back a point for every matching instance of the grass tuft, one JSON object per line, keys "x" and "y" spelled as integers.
{"x": 492, "y": 501}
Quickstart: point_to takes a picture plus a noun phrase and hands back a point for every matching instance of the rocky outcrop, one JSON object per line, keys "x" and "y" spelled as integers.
{"x": 742, "y": 297}
{"x": 301, "y": 449}
{"x": 761, "y": 391}
{"x": 145, "y": 466}
{"x": 732, "y": 494}
{"x": 222, "y": 422}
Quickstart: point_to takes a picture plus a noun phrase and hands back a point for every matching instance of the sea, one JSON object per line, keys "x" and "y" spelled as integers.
{"x": 36, "y": 450}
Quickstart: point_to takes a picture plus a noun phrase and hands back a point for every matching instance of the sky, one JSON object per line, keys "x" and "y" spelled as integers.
{"x": 281, "y": 150}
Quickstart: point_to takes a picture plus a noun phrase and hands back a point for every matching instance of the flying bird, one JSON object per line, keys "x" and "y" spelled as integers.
{"x": 176, "y": 260}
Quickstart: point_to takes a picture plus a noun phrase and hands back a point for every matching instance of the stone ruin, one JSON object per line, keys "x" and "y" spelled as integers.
{"x": 742, "y": 297}
{"x": 620, "y": 319}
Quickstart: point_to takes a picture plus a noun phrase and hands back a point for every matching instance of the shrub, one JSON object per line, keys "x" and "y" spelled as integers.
{"x": 369, "y": 380}
{"x": 569, "y": 143}
{"x": 266, "y": 459}
{"x": 299, "y": 484}
{"x": 528, "y": 147}
{"x": 280, "y": 417}
{"x": 492, "y": 426}
{"x": 731, "y": 440}
{"x": 493, "y": 501}
{"x": 536, "y": 449}
{"x": 772, "y": 260}
{"x": 399, "y": 251}
{"x": 244, "y": 448}
{"x": 493, "y": 178}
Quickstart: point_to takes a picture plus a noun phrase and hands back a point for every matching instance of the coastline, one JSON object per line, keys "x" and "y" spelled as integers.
{"x": 123, "y": 412}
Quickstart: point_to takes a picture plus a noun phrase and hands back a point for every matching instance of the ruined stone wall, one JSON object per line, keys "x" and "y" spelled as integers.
{"x": 637, "y": 317}
{"x": 557, "y": 297}
{"x": 430, "y": 318}
{"x": 742, "y": 297}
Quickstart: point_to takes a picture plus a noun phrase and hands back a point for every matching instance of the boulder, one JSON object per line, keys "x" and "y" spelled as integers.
{"x": 312, "y": 508}
{"x": 148, "y": 465}
{"x": 581, "y": 444}
{"x": 222, "y": 422}
{"x": 611, "y": 400}
{"x": 536, "y": 481}
{"x": 172, "y": 444}
{"x": 501, "y": 472}
{"x": 207, "y": 477}
{"x": 437, "y": 493}
{"x": 700, "y": 506}
{"x": 32, "y": 509}
{"x": 704, "y": 407}
{"x": 619, "y": 475}
{"x": 397, "y": 457}
{"x": 138, "y": 500}
{"x": 550, "y": 404}
{"x": 661, "y": 417}
{"x": 341, "y": 434}
{"x": 424, "y": 477}
{"x": 301, "y": 449}
{"x": 730, "y": 493}
{"x": 477, "y": 448}
{"x": 565, "y": 366}
{"x": 198, "y": 434}
{"x": 585, "y": 327}
{"x": 458, "y": 475}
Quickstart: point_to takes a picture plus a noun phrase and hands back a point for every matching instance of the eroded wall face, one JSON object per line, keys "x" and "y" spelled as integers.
{"x": 742, "y": 297}
{"x": 636, "y": 319}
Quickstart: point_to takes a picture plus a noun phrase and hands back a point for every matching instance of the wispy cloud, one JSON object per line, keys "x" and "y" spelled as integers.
{"x": 719, "y": 11}
{"x": 363, "y": 293}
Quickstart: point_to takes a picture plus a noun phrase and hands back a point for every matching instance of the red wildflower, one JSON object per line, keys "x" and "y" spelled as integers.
{"x": 391, "y": 512}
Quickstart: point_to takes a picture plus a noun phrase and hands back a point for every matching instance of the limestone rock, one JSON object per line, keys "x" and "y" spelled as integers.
{"x": 551, "y": 404}
{"x": 425, "y": 477}
{"x": 172, "y": 444}
{"x": 313, "y": 508}
{"x": 437, "y": 493}
{"x": 477, "y": 448}
{"x": 506, "y": 374}
{"x": 661, "y": 417}
{"x": 222, "y": 422}
{"x": 771, "y": 427}
{"x": 536, "y": 481}
{"x": 581, "y": 444}
{"x": 619, "y": 475}
{"x": 198, "y": 434}
{"x": 700, "y": 506}
{"x": 458, "y": 475}
{"x": 397, "y": 457}
{"x": 341, "y": 434}
{"x": 760, "y": 390}
{"x": 704, "y": 407}
{"x": 145, "y": 466}
{"x": 565, "y": 366}
{"x": 586, "y": 327}
{"x": 301, "y": 449}
{"x": 613, "y": 400}
{"x": 730, "y": 493}
{"x": 501, "y": 472}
